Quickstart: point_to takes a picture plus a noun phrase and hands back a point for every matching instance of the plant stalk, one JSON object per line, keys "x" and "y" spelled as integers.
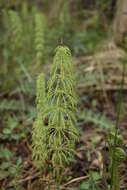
{"x": 117, "y": 125}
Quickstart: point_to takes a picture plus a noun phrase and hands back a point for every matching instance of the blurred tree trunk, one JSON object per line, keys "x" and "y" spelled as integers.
{"x": 120, "y": 22}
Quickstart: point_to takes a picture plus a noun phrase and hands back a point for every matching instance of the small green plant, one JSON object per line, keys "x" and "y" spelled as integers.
{"x": 119, "y": 157}
{"x": 91, "y": 184}
{"x": 10, "y": 132}
{"x": 6, "y": 161}
{"x": 39, "y": 37}
{"x": 55, "y": 142}
{"x": 22, "y": 40}
{"x": 10, "y": 169}
{"x": 39, "y": 129}
{"x": 99, "y": 120}
{"x": 16, "y": 31}
{"x": 13, "y": 28}
{"x": 16, "y": 174}
{"x": 117, "y": 154}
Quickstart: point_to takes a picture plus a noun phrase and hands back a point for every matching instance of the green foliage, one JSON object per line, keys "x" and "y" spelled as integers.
{"x": 104, "y": 3}
{"x": 10, "y": 132}
{"x": 116, "y": 152}
{"x": 119, "y": 157}
{"x": 14, "y": 106}
{"x": 39, "y": 36}
{"x": 60, "y": 31}
{"x": 23, "y": 41}
{"x": 91, "y": 184}
{"x": 56, "y": 141}
{"x": 39, "y": 152}
{"x": 62, "y": 100}
{"x": 7, "y": 105}
{"x": 119, "y": 140}
{"x": 15, "y": 31}
{"x": 25, "y": 10}
{"x": 65, "y": 24}
{"x": 99, "y": 120}
{"x": 7, "y": 167}
{"x": 16, "y": 173}
{"x": 5, "y": 153}
{"x": 88, "y": 41}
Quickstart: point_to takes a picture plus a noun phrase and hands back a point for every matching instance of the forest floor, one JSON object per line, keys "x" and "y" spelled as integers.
{"x": 92, "y": 149}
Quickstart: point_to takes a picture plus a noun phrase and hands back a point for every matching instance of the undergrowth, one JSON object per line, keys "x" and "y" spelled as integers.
{"x": 20, "y": 31}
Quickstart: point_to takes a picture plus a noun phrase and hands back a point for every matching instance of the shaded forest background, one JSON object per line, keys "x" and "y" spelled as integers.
{"x": 96, "y": 33}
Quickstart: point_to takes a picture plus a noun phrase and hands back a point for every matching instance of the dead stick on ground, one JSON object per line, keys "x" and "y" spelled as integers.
{"x": 29, "y": 178}
{"x": 75, "y": 180}
{"x": 26, "y": 179}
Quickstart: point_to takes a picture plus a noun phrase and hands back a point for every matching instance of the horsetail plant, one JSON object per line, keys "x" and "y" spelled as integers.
{"x": 55, "y": 142}
{"x": 39, "y": 37}
{"x": 13, "y": 28}
{"x": 39, "y": 130}
{"x": 118, "y": 158}
{"x": 117, "y": 154}
{"x": 16, "y": 30}
{"x": 23, "y": 40}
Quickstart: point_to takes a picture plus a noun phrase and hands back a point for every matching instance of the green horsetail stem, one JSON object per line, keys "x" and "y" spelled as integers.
{"x": 55, "y": 141}
{"x": 114, "y": 163}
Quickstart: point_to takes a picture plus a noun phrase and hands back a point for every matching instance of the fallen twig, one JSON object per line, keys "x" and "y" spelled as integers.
{"x": 26, "y": 179}
{"x": 29, "y": 178}
{"x": 75, "y": 180}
